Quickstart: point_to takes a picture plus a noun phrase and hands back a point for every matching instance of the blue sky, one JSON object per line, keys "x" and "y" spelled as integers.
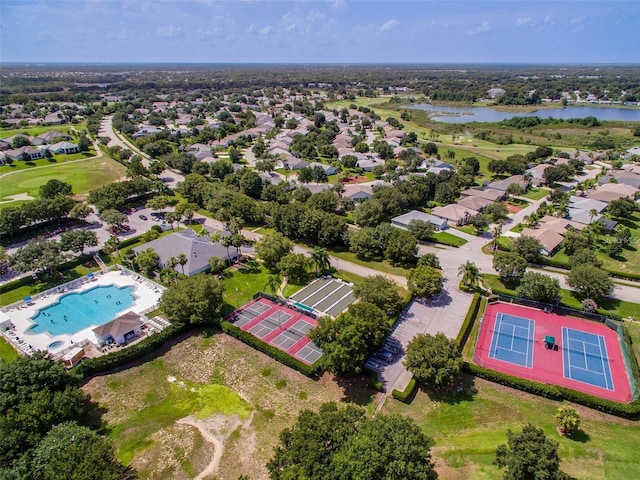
{"x": 340, "y": 31}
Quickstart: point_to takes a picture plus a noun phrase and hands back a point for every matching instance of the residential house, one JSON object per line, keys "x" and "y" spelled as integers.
{"x": 292, "y": 163}
{"x": 328, "y": 169}
{"x": 357, "y": 193}
{"x": 549, "y": 239}
{"x": 198, "y": 250}
{"x": 487, "y": 193}
{"x": 403, "y": 221}
{"x": 434, "y": 162}
{"x": 53, "y": 136}
{"x": 368, "y": 164}
{"x": 495, "y": 92}
{"x": 455, "y": 214}
{"x": 611, "y": 191}
{"x": 537, "y": 173}
{"x": 146, "y": 131}
{"x": 474, "y": 203}
{"x": 504, "y": 184}
{"x": 23, "y": 152}
{"x": 121, "y": 330}
{"x": 63, "y": 148}
{"x": 55, "y": 118}
{"x": 585, "y": 210}
{"x": 621, "y": 176}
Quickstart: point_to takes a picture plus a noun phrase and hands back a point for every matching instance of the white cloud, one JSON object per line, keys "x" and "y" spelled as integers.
{"x": 389, "y": 25}
{"x": 525, "y": 22}
{"x": 259, "y": 31}
{"x": 480, "y": 29}
{"x": 170, "y": 31}
{"x": 338, "y": 4}
{"x": 577, "y": 20}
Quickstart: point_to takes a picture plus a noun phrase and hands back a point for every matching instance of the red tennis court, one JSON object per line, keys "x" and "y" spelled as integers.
{"x": 549, "y": 348}
{"x": 279, "y": 326}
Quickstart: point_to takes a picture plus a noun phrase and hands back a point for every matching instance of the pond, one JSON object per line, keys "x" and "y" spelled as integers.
{"x": 450, "y": 114}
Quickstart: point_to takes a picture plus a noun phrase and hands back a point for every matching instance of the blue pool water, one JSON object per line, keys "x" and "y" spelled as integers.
{"x": 76, "y": 311}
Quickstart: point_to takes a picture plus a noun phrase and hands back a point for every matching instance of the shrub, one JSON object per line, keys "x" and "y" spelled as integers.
{"x": 469, "y": 320}
{"x": 408, "y": 394}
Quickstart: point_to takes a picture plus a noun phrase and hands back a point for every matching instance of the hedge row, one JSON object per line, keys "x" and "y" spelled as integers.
{"x": 273, "y": 352}
{"x": 552, "y": 262}
{"x": 467, "y": 325}
{"x": 407, "y": 395}
{"x": 625, "y": 410}
{"x": 133, "y": 352}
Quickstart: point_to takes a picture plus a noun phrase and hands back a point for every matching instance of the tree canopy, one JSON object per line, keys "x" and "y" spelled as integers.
{"x": 271, "y": 248}
{"x": 424, "y": 281}
{"x": 351, "y": 338}
{"x": 529, "y": 455}
{"x": 434, "y": 360}
{"x": 590, "y": 281}
{"x": 539, "y": 287}
{"x": 342, "y": 444}
{"x": 381, "y": 292}
{"x": 196, "y": 300}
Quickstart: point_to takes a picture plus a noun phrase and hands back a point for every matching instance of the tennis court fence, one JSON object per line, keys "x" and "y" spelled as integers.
{"x": 630, "y": 363}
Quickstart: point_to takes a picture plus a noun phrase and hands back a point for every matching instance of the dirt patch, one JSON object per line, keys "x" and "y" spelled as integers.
{"x": 17, "y": 197}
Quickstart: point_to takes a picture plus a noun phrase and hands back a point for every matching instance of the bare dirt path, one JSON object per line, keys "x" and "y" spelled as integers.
{"x": 218, "y": 447}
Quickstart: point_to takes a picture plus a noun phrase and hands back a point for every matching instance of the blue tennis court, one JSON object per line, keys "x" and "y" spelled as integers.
{"x": 512, "y": 340}
{"x": 585, "y": 358}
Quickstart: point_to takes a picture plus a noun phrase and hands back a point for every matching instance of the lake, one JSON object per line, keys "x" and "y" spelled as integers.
{"x": 450, "y": 114}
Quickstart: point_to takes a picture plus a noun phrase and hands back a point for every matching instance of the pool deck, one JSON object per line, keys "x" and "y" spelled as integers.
{"x": 146, "y": 296}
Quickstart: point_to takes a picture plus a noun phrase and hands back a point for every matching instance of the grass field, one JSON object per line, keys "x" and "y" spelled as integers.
{"x": 536, "y": 193}
{"x": 82, "y": 175}
{"x": 34, "y": 131}
{"x": 383, "y": 266}
{"x": 7, "y": 352}
{"x": 55, "y": 160}
{"x": 447, "y": 238}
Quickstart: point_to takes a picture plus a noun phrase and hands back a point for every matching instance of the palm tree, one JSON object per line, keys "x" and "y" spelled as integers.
{"x": 227, "y": 241}
{"x": 112, "y": 246}
{"x": 182, "y": 261}
{"x": 470, "y": 273}
{"x": 171, "y": 262}
{"x": 567, "y": 421}
{"x": 320, "y": 258}
{"x": 234, "y": 225}
{"x": 497, "y": 232}
{"x": 592, "y": 214}
{"x": 237, "y": 240}
{"x": 273, "y": 282}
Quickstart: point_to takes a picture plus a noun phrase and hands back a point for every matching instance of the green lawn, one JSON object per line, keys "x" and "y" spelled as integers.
{"x": 467, "y": 429}
{"x": 447, "y": 238}
{"x": 469, "y": 229}
{"x": 241, "y": 284}
{"x": 83, "y": 176}
{"x": 7, "y": 352}
{"x": 55, "y": 160}
{"x": 383, "y": 266}
{"x": 536, "y": 193}
{"x": 34, "y": 131}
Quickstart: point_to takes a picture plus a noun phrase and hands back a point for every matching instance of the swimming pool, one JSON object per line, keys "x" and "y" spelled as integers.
{"x": 76, "y": 311}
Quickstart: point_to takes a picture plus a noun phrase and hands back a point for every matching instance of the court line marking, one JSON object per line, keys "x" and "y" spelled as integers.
{"x": 567, "y": 340}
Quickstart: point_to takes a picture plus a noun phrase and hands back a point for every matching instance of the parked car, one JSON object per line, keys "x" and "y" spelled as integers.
{"x": 125, "y": 227}
{"x": 142, "y": 217}
{"x": 384, "y": 355}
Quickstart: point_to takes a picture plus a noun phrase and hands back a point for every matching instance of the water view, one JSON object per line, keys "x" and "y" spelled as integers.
{"x": 450, "y": 114}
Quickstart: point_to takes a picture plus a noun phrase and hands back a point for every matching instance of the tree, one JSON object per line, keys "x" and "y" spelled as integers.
{"x": 529, "y": 455}
{"x": 622, "y": 207}
{"x": 77, "y": 240}
{"x": 251, "y": 184}
{"x": 321, "y": 259}
{"x": 421, "y": 229}
{"x": 584, "y": 257}
{"x": 539, "y": 287}
{"x": 369, "y": 213}
{"x": 470, "y": 274}
{"x": 195, "y": 300}
{"x": 381, "y": 292}
{"x": 182, "y": 260}
{"x": 401, "y": 247}
{"x": 147, "y": 261}
{"x": 480, "y": 222}
{"x": 497, "y": 211}
{"x": 567, "y": 421}
{"x": 386, "y": 448}
{"x": 515, "y": 189}
{"x": 38, "y": 256}
{"x": 351, "y": 338}
{"x": 73, "y": 451}
{"x": 35, "y": 395}
{"x": 113, "y": 217}
{"x": 590, "y": 281}
{"x": 273, "y": 282}
{"x": 84, "y": 142}
{"x": 112, "y": 245}
{"x": 217, "y": 265}
{"x": 575, "y": 241}
{"x": 294, "y": 267}
{"x": 434, "y": 360}
{"x": 272, "y": 247}
{"x": 53, "y": 188}
{"x": 80, "y": 211}
{"x": 430, "y": 260}
{"x": 528, "y": 248}
{"x": 327, "y": 201}
{"x": 509, "y": 265}
{"x": 424, "y": 281}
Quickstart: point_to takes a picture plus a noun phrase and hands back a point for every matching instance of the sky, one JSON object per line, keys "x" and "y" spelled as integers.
{"x": 329, "y": 31}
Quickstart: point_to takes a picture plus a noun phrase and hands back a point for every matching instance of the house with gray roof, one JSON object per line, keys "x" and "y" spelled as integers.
{"x": 120, "y": 330}
{"x": 64, "y": 148}
{"x": 328, "y": 169}
{"x": 198, "y": 250}
{"x": 504, "y": 184}
{"x": 403, "y": 221}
